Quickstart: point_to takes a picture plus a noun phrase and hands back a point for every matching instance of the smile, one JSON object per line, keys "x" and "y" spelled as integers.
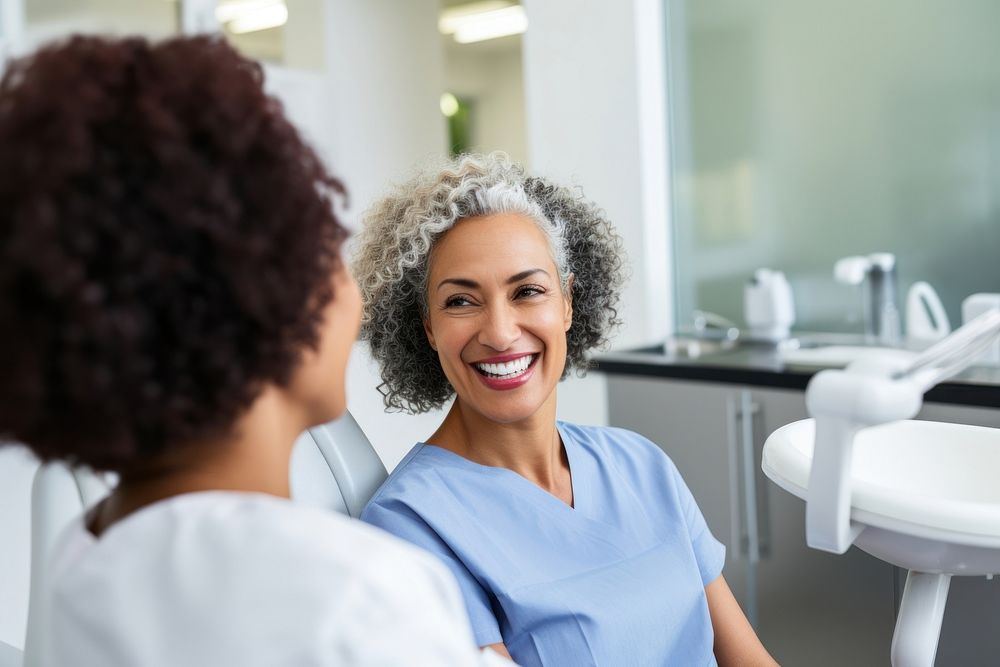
{"x": 508, "y": 370}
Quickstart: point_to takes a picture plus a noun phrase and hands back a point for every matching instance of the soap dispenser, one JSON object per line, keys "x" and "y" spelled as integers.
{"x": 768, "y": 307}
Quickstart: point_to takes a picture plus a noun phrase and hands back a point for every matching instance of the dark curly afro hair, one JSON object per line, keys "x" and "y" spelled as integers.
{"x": 166, "y": 246}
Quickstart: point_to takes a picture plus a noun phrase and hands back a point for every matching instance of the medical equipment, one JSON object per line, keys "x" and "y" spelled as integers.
{"x": 919, "y": 495}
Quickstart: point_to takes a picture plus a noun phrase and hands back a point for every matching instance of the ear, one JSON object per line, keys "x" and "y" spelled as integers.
{"x": 430, "y": 334}
{"x": 568, "y": 301}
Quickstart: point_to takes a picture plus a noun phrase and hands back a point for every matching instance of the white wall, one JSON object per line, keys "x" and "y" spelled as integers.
{"x": 596, "y": 118}
{"x": 372, "y": 115}
{"x": 595, "y": 99}
{"x": 386, "y": 67}
{"x": 493, "y": 80}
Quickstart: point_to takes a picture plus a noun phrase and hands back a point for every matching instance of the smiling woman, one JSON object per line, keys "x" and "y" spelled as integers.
{"x": 391, "y": 265}
{"x": 496, "y": 323}
{"x": 572, "y": 544}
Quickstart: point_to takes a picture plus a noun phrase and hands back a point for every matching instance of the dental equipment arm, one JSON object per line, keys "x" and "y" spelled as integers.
{"x": 867, "y": 394}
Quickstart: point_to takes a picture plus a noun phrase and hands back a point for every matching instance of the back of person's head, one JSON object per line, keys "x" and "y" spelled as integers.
{"x": 166, "y": 246}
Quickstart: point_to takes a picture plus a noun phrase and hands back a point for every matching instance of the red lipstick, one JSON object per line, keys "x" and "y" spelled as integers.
{"x": 503, "y": 383}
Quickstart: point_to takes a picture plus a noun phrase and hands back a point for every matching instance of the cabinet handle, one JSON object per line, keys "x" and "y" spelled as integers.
{"x": 736, "y": 535}
{"x": 745, "y": 478}
{"x": 749, "y": 476}
{"x": 763, "y": 512}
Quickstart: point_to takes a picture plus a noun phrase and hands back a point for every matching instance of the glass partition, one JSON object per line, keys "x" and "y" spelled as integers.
{"x": 805, "y": 131}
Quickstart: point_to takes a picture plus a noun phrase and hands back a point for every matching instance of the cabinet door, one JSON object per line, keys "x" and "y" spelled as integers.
{"x": 815, "y": 608}
{"x": 691, "y": 422}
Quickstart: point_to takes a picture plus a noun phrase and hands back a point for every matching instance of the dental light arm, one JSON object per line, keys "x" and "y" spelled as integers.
{"x": 868, "y": 394}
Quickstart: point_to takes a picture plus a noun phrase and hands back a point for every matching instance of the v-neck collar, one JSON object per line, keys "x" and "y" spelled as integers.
{"x": 574, "y": 461}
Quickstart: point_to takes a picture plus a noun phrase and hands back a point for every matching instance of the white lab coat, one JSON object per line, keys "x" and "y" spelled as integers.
{"x": 224, "y": 578}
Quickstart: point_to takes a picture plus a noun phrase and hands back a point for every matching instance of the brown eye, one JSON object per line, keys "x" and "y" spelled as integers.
{"x": 456, "y": 302}
{"x": 529, "y": 290}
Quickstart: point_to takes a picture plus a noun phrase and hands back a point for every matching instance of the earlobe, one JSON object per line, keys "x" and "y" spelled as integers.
{"x": 430, "y": 335}
{"x": 568, "y": 298}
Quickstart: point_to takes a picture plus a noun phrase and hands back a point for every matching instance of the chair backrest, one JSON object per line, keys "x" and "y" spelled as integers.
{"x": 58, "y": 495}
{"x": 10, "y": 656}
{"x": 335, "y": 466}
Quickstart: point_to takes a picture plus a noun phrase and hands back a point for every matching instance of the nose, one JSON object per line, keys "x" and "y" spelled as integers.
{"x": 500, "y": 328}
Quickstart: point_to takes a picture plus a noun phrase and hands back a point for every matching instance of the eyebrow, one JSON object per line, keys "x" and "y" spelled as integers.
{"x": 472, "y": 284}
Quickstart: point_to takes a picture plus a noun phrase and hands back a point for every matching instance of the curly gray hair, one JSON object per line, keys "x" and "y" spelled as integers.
{"x": 394, "y": 246}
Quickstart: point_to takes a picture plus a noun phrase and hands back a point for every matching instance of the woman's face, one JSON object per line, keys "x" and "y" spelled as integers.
{"x": 497, "y": 315}
{"x": 319, "y": 382}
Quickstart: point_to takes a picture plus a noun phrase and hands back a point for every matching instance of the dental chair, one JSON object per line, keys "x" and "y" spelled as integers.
{"x": 919, "y": 495}
{"x": 334, "y": 466}
{"x": 59, "y": 494}
{"x": 9, "y": 656}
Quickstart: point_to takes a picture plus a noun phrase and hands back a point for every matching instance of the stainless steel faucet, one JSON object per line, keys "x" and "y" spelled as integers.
{"x": 705, "y": 321}
{"x": 881, "y": 314}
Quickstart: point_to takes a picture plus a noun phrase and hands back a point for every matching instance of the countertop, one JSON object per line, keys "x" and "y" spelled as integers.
{"x": 762, "y": 366}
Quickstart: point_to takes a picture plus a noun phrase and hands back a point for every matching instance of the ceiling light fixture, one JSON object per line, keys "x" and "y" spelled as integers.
{"x": 482, "y": 21}
{"x": 243, "y": 16}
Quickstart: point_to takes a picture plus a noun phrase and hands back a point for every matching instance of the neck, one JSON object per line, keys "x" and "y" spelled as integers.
{"x": 530, "y": 447}
{"x": 254, "y": 457}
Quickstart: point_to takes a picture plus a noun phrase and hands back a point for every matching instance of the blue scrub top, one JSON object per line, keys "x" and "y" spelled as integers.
{"x": 618, "y": 579}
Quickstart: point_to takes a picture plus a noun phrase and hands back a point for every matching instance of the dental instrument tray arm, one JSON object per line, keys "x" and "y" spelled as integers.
{"x": 865, "y": 394}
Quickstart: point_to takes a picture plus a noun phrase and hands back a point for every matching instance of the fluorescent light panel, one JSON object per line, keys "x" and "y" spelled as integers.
{"x": 243, "y": 16}
{"x": 482, "y": 21}
{"x": 453, "y": 17}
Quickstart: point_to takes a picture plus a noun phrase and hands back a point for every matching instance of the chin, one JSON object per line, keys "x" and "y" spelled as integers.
{"x": 509, "y": 414}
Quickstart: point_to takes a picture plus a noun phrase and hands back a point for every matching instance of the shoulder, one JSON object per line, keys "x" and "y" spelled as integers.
{"x": 614, "y": 444}
{"x": 227, "y": 536}
{"x": 428, "y": 480}
{"x": 413, "y": 477}
{"x": 284, "y": 548}
{"x": 240, "y": 556}
{"x": 341, "y": 547}
{"x": 637, "y": 461}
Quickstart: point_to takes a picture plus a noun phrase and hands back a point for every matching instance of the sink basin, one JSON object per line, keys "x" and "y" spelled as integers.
{"x": 925, "y": 492}
{"x": 838, "y": 356}
{"x": 692, "y": 347}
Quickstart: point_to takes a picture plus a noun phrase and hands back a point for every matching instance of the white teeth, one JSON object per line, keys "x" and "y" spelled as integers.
{"x": 509, "y": 369}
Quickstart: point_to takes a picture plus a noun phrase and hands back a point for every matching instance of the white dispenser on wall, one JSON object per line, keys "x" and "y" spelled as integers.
{"x": 768, "y": 307}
